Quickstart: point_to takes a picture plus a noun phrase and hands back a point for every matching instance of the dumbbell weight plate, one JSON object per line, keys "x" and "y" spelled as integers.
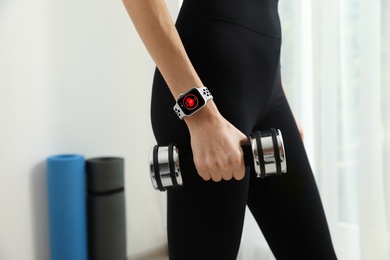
{"x": 164, "y": 167}
{"x": 269, "y": 157}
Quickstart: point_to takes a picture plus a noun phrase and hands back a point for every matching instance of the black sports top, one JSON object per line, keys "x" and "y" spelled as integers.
{"x": 259, "y": 15}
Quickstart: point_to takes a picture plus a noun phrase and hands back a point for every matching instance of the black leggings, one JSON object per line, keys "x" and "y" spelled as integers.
{"x": 234, "y": 46}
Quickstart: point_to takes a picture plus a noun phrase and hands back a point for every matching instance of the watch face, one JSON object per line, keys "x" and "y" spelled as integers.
{"x": 191, "y": 101}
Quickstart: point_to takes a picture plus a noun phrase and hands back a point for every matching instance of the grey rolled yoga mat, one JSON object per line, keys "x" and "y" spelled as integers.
{"x": 106, "y": 212}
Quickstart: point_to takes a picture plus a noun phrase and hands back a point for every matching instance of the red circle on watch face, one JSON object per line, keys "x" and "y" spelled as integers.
{"x": 190, "y": 101}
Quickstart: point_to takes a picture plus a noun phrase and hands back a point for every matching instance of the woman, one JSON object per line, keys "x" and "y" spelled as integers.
{"x": 233, "y": 48}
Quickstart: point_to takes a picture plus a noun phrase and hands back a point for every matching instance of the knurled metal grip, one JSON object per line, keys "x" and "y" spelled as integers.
{"x": 265, "y": 153}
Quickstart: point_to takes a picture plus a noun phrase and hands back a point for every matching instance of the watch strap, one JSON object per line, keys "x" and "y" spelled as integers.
{"x": 205, "y": 93}
{"x": 178, "y": 111}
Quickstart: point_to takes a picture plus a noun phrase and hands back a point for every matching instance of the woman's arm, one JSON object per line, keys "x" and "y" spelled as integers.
{"x": 154, "y": 25}
{"x": 215, "y": 142}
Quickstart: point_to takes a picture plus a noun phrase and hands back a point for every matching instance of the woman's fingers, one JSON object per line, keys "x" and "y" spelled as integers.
{"x": 222, "y": 166}
{"x": 239, "y": 174}
{"x": 216, "y": 177}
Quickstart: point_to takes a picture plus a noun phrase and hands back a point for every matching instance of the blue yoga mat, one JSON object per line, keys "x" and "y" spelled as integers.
{"x": 67, "y": 207}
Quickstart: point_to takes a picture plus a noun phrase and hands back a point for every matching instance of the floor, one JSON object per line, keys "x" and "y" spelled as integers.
{"x": 158, "y": 254}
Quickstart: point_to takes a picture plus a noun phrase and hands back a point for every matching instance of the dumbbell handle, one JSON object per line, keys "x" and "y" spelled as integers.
{"x": 248, "y": 155}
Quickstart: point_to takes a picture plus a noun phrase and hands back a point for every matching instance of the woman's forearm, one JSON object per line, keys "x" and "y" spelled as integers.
{"x": 154, "y": 25}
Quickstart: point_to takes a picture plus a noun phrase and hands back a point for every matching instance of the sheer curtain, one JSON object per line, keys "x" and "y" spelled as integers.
{"x": 336, "y": 58}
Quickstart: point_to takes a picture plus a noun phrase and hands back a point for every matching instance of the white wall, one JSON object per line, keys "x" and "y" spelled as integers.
{"x": 74, "y": 78}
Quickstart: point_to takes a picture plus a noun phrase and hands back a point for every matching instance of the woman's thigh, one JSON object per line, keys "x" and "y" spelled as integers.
{"x": 205, "y": 218}
{"x": 288, "y": 208}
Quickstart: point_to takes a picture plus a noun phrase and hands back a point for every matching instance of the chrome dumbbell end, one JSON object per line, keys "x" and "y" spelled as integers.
{"x": 164, "y": 167}
{"x": 269, "y": 157}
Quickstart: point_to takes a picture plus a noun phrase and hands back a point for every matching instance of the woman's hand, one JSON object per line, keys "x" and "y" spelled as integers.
{"x": 216, "y": 145}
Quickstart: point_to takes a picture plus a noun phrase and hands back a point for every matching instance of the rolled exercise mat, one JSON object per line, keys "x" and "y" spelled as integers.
{"x": 106, "y": 209}
{"x": 67, "y": 207}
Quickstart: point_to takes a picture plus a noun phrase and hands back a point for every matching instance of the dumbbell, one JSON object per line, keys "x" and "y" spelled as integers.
{"x": 265, "y": 152}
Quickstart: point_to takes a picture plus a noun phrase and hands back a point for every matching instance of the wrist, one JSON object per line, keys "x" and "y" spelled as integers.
{"x": 208, "y": 113}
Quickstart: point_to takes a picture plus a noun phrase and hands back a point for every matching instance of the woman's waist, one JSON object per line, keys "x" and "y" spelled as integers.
{"x": 259, "y": 15}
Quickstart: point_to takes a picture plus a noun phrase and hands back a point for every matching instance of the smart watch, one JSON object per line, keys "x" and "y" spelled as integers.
{"x": 191, "y": 101}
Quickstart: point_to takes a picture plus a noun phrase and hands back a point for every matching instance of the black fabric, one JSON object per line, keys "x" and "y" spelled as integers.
{"x": 234, "y": 46}
{"x": 248, "y": 154}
